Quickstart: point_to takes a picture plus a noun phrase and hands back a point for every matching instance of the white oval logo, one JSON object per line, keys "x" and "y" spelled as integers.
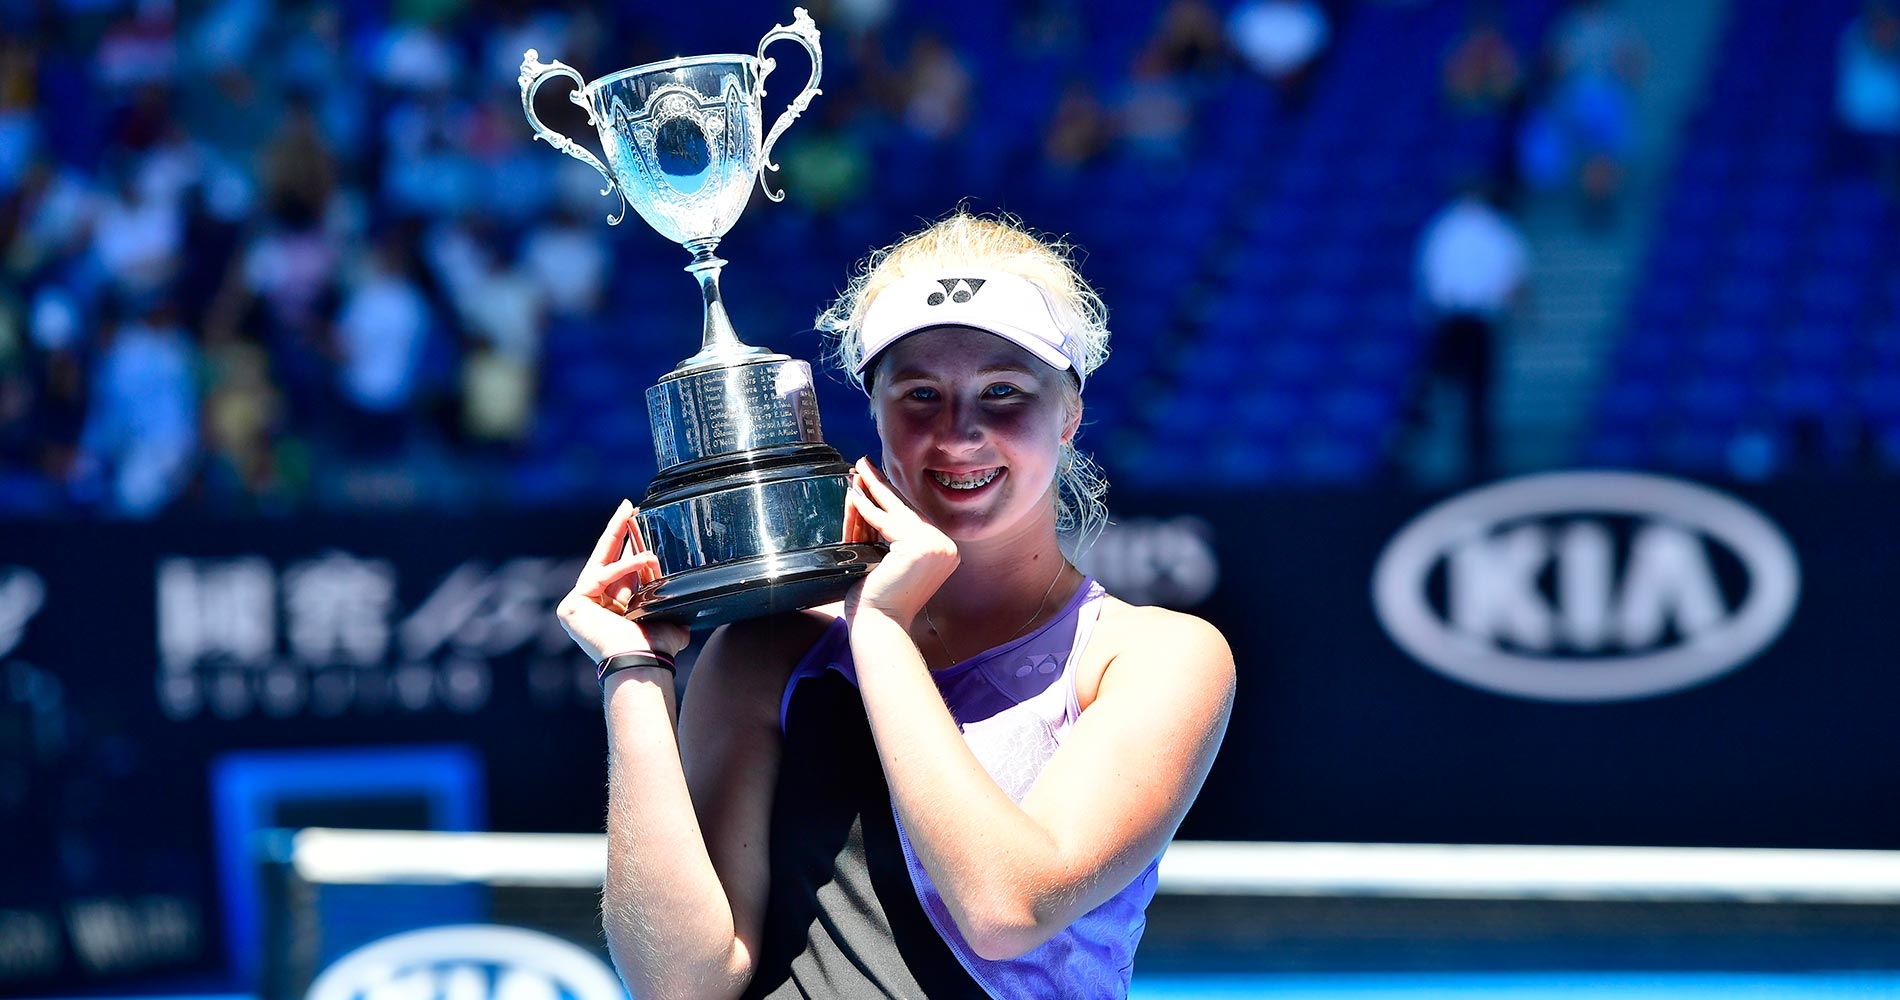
{"x": 1586, "y": 586}
{"x": 469, "y": 962}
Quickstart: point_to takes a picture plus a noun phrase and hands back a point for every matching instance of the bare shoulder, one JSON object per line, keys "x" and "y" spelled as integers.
{"x": 1147, "y": 631}
{"x": 1158, "y": 643}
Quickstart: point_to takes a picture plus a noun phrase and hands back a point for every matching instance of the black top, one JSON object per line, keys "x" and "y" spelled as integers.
{"x": 842, "y": 918}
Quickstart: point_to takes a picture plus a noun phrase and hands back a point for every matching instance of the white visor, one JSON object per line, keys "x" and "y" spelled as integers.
{"x": 1008, "y": 305}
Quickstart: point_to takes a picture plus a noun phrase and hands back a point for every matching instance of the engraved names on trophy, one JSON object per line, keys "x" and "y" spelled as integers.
{"x": 733, "y": 409}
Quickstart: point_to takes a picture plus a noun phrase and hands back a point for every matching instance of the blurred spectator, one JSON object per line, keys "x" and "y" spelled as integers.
{"x": 1079, "y": 131}
{"x": 416, "y": 57}
{"x": 854, "y": 17}
{"x": 56, "y": 415}
{"x": 1280, "y": 40}
{"x": 1867, "y": 91}
{"x": 1048, "y": 29}
{"x": 139, "y": 119}
{"x": 141, "y": 431}
{"x": 518, "y": 29}
{"x": 139, "y": 49}
{"x": 55, "y": 323}
{"x": 1155, "y": 113}
{"x": 1155, "y": 117}
{"x": 497, "y": 395}
{"x": 170, "y": 168}
{"x": 568, "y": 255}
{"x": 1187, "y": 40}
{"x": 19, "y": 130}
{"x": 225, "y": 33}
{"x": 936, "y": 90}
{"x": 1482, "y": 70}
{"x": 1584, "y": 134}
{"x": 137, "y": 239}
{"x": 16, "y": 390}
{"x": 51, "y": 218}
{"x": 231, "y": 111}
{"x": 511, "y": 180}
{"x": 1592, "y": 40}
{"x": 243, "y": 412}
{"x": 213, "y": 235}
{"x": 830, "y": 167}
{"x": 381, "y": 333}
{"x": 502, "y": 310}
{"x": 298, "y": 172}
{"x": 428, "y": 172}
{"x": 290, "y": 265}
{"x": 316, "y": 65}
{"x": 1472, "y": 262}
{"x": 282, "y": 289}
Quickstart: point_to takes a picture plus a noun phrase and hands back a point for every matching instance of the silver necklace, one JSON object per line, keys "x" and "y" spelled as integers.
{"x": 1033, "y": 615}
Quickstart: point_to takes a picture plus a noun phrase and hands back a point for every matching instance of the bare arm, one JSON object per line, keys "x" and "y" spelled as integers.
{"x": 669, "y": 924}
{"x": 687, "y": 859}
{"x": 1104, "y": 806}
{"x": 682, "y": 908}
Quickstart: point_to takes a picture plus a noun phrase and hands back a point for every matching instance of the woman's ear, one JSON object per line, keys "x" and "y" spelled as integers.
{"x": 1073, "y": 422}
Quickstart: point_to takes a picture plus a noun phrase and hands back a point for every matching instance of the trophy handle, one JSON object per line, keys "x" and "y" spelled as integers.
{"x": 805, "y": 33}
{"x": 534, "y": 73}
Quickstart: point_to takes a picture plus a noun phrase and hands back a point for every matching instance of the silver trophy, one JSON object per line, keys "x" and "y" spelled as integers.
{"x": 746, "y": 514}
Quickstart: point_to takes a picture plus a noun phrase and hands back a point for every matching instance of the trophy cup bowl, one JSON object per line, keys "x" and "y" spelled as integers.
{"x": 746, "y": 513}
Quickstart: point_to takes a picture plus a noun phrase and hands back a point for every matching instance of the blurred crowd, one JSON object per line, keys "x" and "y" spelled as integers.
{"x": 248, "y": 242}
{"x": 254, "y": 250}
{"x": 251, "y": 244}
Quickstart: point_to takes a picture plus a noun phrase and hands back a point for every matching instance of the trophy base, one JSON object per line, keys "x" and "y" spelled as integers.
{"x": 748, "y": 534}
{"x": 762, "y": 585}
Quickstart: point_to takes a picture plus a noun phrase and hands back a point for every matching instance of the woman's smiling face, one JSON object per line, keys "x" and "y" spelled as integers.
{"x": 971, "y": 426}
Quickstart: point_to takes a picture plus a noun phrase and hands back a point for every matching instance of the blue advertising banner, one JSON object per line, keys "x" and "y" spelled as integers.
{"x": 167, "y": 689}
{"x": 1575, "y": 658}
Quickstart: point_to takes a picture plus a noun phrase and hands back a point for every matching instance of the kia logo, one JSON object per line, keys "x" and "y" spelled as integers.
{"x": 469, "y": 962}
{"x": 1586, "y": 586}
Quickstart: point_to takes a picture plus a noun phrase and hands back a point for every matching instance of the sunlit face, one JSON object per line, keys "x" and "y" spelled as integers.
{"x": 971, "y": 426}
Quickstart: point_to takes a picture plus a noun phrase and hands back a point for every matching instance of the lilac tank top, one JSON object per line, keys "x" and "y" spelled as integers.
{"x": 1015, "y": 704}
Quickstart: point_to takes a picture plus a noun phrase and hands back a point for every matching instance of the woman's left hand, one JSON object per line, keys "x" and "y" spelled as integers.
{"x": 921, "y": 558}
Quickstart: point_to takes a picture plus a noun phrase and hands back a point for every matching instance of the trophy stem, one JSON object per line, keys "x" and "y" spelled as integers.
{"x": 719, "y": 343}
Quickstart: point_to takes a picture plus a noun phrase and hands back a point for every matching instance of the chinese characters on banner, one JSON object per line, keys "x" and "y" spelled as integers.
{"x": 328, "y": 636}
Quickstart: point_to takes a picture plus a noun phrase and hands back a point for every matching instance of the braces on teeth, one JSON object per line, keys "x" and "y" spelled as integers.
{"x": 966, "y": 482}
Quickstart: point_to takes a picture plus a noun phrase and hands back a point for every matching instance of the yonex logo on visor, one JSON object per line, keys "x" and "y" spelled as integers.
{"x": 1009, "y": 306}
{"x": 970, "y": 286}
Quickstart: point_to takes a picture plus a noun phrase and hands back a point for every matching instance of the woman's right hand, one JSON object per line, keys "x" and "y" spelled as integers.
{"x": 594, "y": 612}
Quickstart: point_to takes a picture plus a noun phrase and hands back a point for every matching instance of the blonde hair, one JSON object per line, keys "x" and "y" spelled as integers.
{"x": 1000, "y": 243}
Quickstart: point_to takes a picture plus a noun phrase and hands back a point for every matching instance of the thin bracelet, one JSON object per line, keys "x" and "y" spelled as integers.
{"x": 627, "y": 661}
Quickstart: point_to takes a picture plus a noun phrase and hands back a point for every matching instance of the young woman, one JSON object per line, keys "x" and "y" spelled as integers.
{"x": 958, "y": 782}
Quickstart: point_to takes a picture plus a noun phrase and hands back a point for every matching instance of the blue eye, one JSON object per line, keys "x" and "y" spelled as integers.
{"x": 921, "y": 393}
{"x": 1001, "y": 390}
